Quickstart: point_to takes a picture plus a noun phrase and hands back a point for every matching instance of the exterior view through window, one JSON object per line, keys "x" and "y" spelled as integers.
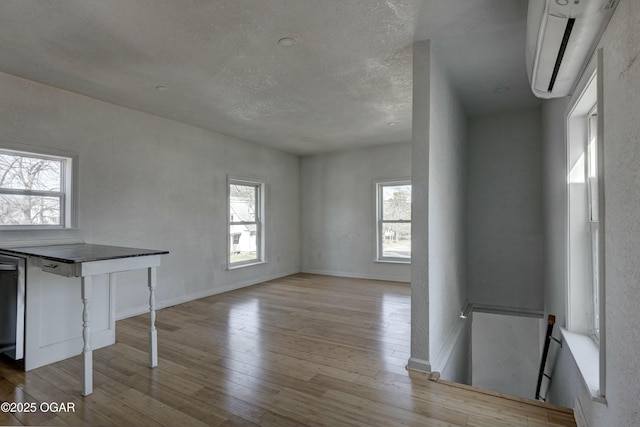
{"x": 394, "y": 221}
{"x": 32, "y": 189}
{"x": 245, "y": 222}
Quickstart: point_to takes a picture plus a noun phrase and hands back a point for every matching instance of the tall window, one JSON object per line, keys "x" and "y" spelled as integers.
{"x": 584, "y": 216}
{"x": 394, "y": 221}
{"x": 586, "y": 221}
{"x": 35, "y": 190}
{"x": 246, "y": 222}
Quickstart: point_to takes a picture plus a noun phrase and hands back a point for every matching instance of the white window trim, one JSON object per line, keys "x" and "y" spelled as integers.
{"x": 589, "y": 92}
{"x": 260, "y": 221}
{"x": 68, "y": 195}
{"x": 594, "y": 224}
{"x": 378, "y": 189}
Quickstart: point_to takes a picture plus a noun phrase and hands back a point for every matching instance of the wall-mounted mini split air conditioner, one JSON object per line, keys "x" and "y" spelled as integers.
{"x": 561, "y": 37}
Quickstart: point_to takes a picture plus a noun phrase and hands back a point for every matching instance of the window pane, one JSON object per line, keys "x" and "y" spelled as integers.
{"x": 396, "y": 240}
{"x": 242, "y": 203}
{"x": 596, "y": 287}
{"x": 30, "y": 173}
{"x": 243, "y": 243}
{"x": 396, "y": 202}
{"x": 29, "y": 210}
{"x": 592, "y": 167}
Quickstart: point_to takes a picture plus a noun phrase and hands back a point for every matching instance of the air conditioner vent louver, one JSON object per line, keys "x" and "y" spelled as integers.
{"x": 563, "y": 48}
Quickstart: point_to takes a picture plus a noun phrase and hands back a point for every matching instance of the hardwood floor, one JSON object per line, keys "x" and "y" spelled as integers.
{"x": 301, "y": 350}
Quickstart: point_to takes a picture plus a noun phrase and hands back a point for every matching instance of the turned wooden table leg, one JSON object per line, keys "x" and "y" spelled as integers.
{"x": 153, "y": 333}
{"x": 87, "y": 353}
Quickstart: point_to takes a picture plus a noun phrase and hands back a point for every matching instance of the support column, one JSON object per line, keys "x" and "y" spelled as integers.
{"x": 419, "y": 360}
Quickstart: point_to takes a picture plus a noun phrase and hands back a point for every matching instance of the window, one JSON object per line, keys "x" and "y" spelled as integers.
{"x": 246, "y": 222}
{"x": 585, "y": 231}
{"x": 35, "y": 190}
{"x": 584, "y": 216}
{"x": 394, "y": 221}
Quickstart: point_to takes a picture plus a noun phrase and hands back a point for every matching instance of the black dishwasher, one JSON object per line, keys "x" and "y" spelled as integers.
{"x": 12, "y": 304}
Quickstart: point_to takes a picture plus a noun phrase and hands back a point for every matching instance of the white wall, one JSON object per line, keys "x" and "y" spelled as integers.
{"x": 504, "y": 212}
{"x": 622, "y": 235}
{"x": 447, "y": 213}
{"x": 149, "y": 182}
{"x": 555, "y": 207}
{"x": 458, "y": 366}
{"x": 506, "y": 353}
{"x": 438, "y": 281}
{"x": 338, "y": 202}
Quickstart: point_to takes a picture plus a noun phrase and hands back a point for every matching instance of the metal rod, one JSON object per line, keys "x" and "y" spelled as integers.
{"x": 551, "y": 321}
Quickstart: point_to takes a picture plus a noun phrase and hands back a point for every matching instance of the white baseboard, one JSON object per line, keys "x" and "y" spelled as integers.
{"x": 357, "y": 275}
{"x": 419, "y": 365}
{"x": 135, "y": 311}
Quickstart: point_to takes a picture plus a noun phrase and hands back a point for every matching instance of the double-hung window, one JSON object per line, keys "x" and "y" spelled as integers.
{"x": 394, "y": 221}
{"x": 585, "y": 231}
{"x": 35, "y": 190}
{"x": 246, "y": 222}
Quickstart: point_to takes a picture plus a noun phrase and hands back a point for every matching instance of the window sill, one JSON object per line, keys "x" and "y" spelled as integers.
{"x": 587, "y": 356}
{"x": 250, "y": 264}
{"x": 392, "y": 261}
{"x": 33, "y": 227}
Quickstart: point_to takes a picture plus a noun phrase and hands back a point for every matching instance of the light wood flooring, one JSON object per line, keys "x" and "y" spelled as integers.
{"x": 301, "y": 350}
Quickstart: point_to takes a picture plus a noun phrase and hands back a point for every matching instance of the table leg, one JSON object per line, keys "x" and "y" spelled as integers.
{"x": 87, "y": 353}
{"x": 153, "y": 333}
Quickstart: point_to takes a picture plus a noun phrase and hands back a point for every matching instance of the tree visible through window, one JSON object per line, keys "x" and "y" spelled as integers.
{"x": 32, "y": 189}
{"x": 394, "y": 221}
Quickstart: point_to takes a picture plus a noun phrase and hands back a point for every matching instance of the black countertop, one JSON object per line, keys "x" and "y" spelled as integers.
{"x": 81, "y": 252}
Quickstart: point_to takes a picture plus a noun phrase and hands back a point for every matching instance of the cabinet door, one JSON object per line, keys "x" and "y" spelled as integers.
{"x": 54, "y": 315}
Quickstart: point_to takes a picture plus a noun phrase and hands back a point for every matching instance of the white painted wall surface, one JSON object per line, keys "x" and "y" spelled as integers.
{"x": 154, "y": 183}
{"x": 504, "y": 212}
{"x": 555, "y": 207}
{"x": 621, "y": 43}
{"x": 438, "y": 281}
{"x": 458, "y": 366}
{"x": 338, "y": 207}
{"x": 506, "y": 353}
{"x": 447, "y": 218}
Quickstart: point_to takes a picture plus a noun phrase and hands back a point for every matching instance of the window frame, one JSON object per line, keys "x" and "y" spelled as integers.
{"x": 594, "y": 222}
{"x": 379, "y": 188}
{"x": 583, "y": 231}
{"x": 582, "y": 292}
{"x": 68, "y": 185}
{"x": 259, "y": 222}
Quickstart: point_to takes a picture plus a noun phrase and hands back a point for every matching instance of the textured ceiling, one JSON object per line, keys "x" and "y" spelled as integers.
{"x": 345, "y": 83}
